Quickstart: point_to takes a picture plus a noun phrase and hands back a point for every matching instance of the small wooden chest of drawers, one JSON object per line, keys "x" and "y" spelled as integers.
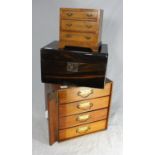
{"x": 81, "y": 28}
{"x": 76, "y": 111}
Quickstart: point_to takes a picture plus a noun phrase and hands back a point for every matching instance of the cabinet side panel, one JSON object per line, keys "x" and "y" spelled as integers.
{"x": 109, "y": 105}
{"x": 52, "y": 118}
{"x": 100, "y": 26}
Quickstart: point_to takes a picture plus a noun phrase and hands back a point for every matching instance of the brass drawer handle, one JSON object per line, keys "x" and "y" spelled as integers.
{"x": 89, "y": 26}
{"x": 89, "y": 15}
{"x": 83, "y": 118}
{"x": 85, "y": 93}
{"x": 68, "y": 35}
{"x": 69, "y": 14}
{"x": 69, "y": 25}
{"x": 83, "y": 129}
{"x": 87, "y": 37}
{"x": 85, "y": 105}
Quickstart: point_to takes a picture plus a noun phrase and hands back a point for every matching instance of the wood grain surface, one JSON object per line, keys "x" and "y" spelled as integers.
{"x": 80, "y": 21}
{"x": 73, "y": 66}
{"x": 78, "y": 26}
{"x": 71, "y": 94}
{"x": 79, "y": 14}
{"x": 52, "y": 118}
{"x": 72, "y": 108}
{"x": 88, "y": 117}
{"x": 82, "y": 130}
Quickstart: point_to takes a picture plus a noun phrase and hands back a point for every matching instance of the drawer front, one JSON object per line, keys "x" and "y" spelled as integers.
{"x": 82, "y": 130}
{"x": 79, "y": 15}
{"x": 83, "y": 106}
{"x": 82, "y": 93}
{"x": 78, "y": 37}
{"x": 74, "y": 120}
{"x": 82, "y": 26}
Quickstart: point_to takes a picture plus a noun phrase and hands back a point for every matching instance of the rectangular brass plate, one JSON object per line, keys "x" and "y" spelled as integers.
{"x": 72, "y": 66}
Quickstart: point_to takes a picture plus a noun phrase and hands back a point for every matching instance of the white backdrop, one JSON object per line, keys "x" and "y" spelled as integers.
{"x": 45, "y": 30}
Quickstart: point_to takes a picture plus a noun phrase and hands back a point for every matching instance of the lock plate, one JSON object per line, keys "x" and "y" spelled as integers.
{"x": 72, "y": 66}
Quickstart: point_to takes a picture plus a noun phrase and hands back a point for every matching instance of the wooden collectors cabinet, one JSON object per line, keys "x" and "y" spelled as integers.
{"x": 80, "y": 27}
{"x": 76, "y": 111}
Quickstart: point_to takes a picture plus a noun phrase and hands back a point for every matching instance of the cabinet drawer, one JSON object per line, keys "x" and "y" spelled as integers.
{"x": 82, "y": 130}
{"x": 83, "y": 106}
{"x": 80, "y": 37}
{"x": 81, "y": 26}
{"x": 82, "y": 93}
{"x": 79, "y": 14}
{"x": 74, "y": 120}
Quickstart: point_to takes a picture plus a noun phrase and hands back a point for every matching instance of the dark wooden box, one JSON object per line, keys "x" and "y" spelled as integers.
{"x": 73, "y": 66}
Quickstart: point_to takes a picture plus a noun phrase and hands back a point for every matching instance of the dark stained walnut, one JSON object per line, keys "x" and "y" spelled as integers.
{"x": 75, "y": 66}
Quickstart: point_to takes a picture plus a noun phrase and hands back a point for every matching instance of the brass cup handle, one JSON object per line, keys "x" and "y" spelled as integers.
{"x": 85, "y": 105}
{"x": 69, "y": 14}
{"x": 68, "y": 35}
{"x": 85, "y": 93}
{"x": 69, "y": 25}
{"x": 89, "y": 15}
{"x": 83, "y": 118}
{"x": 83, "y": 129}
{"x": 87, "y": 37}
{"x": 89, "y": 26}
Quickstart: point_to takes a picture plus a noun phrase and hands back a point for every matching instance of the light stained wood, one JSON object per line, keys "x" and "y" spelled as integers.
{"x": 83, "y": 44}
{"x": 52, "y": 118}
{"x": 77, "y": 25}
{"x": 80, "y": 37}
{"x": 71, "y": 94}
{"x": 79, "y": 14}
{"x": 111, "y": 91}
{"x": 82, "y": 130}
{"x": 67, "y": 120}
{"x": 73, "y": 108}
{"x": 88, "y": 117}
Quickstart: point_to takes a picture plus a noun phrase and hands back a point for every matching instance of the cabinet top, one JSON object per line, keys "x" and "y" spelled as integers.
{"x": 80, "y": 9}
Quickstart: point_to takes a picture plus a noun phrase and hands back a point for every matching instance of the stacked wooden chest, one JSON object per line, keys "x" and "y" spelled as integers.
{"x": 80, "y": 27}
{"x": 76, "y": 111}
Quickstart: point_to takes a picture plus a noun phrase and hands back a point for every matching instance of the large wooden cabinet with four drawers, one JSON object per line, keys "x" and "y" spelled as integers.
{"x": 80, "y": 28}
{"x": 76, "y": 111}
